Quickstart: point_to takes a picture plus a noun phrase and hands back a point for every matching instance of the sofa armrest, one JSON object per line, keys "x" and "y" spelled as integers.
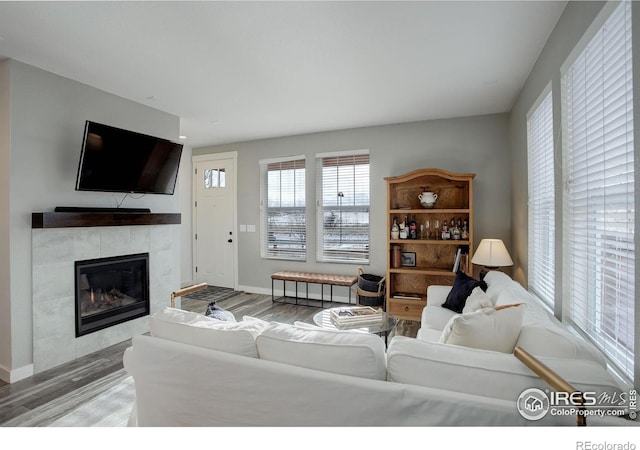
{"x": 437, "y": 295}
{"x": 435, "y": 317}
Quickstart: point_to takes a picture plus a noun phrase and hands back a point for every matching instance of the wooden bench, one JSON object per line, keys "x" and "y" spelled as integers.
{"x": 314, "y": 278}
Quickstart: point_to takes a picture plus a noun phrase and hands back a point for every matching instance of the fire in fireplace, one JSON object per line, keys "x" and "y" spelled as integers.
{"x": 111, "y": 291}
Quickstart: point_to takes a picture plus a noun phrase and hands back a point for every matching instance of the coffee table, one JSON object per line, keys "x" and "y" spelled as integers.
{"x": 382, "y": 328}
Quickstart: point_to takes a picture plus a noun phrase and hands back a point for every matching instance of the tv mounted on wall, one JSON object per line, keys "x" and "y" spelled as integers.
{"x": 117, "y": 160}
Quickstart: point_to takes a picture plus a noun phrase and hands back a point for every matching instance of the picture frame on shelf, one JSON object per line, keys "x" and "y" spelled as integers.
{"x": 408, "y": 259}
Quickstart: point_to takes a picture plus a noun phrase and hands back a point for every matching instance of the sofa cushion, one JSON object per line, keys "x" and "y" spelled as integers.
{"x": 344, "y": 352}
{"x": 478, "y": 299}
{"x": 197, "y": 329}
{"x": 557, "y": 343}
{"x": 488, "y": 329}
{"x": 484, "y": 372}
{"x": 463, "y": 285}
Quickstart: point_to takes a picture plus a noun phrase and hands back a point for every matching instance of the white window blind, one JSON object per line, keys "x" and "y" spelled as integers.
{"x": 541, "y": 264}
{"x": 343, "y": 207}
{"x": 598, "y": 232}
{"x": 282, "y": 209}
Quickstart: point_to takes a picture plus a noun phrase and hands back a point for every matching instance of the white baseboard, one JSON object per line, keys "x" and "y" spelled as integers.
{"x": 13, "y": 376}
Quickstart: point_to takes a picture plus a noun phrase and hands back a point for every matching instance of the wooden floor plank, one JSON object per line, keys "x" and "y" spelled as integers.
{"x": 95, "y": 390}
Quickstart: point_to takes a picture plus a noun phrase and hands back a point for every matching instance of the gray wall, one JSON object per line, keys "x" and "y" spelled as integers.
{"x": 47, "y": 116}
{"x": 574, "y": 22}
{"x": 469, "y": 145}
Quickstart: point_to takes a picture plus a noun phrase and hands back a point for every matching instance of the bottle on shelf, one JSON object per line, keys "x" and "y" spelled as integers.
{"x": 465, "y": 230}
{"x": 413, "y": 228}
{"x": 457, "y": 232}
{"x": 396, "y": 256}
{"x": 395, "y": 230}
{"x": 445, "y": 230}
{"x": 436, "y": 230}
{"x": 404, "y": 229}
{"x": 427, "y": 229}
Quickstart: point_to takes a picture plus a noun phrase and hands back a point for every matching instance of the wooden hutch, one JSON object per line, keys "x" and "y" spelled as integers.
{"x": 427, "y": 259}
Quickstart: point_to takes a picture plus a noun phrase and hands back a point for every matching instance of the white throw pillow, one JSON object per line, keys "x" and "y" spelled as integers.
{"x": 478, "y": 299}
{"x": 338, "y": 351}
{"x": 202, "y": 331}
{"x": 488, "y": 329}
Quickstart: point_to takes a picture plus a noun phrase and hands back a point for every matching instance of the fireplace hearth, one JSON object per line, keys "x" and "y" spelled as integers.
{"x": 111, "y": 291}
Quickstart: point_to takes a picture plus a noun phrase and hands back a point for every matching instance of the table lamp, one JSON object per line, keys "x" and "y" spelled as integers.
{"x": 491, "y": 254}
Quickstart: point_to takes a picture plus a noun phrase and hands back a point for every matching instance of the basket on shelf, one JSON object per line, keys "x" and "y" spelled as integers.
{"x": 371, "y": 289}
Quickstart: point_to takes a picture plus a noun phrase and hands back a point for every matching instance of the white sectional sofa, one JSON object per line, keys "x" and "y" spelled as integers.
{"x": 198, "y": 371}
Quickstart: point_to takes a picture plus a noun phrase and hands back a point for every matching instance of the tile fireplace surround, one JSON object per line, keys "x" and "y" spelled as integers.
{"x": 54, "y": 252}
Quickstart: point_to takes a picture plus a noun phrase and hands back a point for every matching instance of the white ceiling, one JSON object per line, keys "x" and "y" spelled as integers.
{"x": 236, "y": 71}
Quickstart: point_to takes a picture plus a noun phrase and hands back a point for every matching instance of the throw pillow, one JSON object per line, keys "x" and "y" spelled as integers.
{"x": 216, "y": 312}
{"x": 463, "y": 285}
{"x": 487, "y": 329}
{"x": 477, "y": 300}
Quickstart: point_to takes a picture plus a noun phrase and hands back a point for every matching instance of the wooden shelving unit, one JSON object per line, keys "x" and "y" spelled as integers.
{"x": 434, "y": 258}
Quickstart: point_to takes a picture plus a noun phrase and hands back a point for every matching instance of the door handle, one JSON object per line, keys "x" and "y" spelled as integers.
{"x": 230, "y": 240}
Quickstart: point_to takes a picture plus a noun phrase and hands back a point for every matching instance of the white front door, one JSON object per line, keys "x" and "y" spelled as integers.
{"x": 215, "y": 232}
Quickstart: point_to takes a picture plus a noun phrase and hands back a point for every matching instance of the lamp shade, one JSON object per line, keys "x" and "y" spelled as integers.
{"x": 492, "y": 253}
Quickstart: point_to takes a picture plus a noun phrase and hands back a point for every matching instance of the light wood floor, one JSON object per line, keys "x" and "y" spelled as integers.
{"x": 95, "y": 390}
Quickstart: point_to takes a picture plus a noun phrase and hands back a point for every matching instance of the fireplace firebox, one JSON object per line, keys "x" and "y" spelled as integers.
{"x": 111, "y": 291}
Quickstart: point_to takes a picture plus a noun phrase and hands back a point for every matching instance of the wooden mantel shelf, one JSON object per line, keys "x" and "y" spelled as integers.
{"x": 99, "y": 219}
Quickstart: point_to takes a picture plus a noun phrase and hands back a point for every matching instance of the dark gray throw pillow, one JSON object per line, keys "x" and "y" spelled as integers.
{"x": 216, "y": 312}
{"x": 462, "y": 287}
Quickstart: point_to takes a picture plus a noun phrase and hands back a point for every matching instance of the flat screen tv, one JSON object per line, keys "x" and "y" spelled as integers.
{"x": 117, "y": 160}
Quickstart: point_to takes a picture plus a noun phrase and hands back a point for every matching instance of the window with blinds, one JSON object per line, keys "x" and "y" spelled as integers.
{"x": 598, "y": 231}
{"x": 342, "y": 207}
{"x": 283, "y": 209}
{"x": 541, "y": 249}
